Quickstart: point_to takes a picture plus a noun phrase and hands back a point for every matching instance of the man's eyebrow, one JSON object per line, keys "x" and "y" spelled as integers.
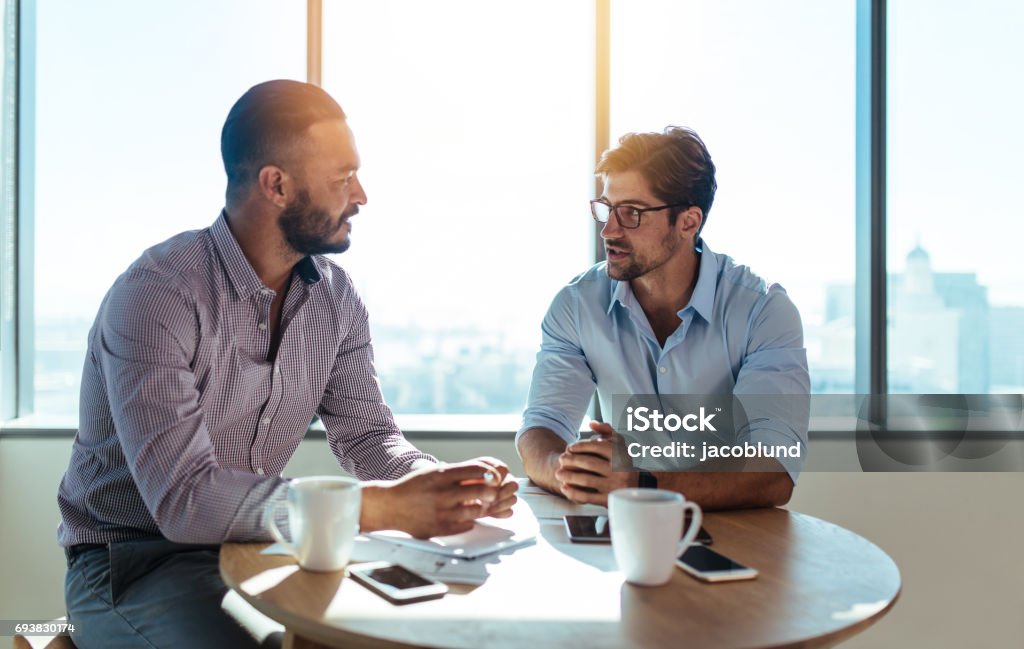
{"x": 630, "y": 201}
{"x": 346, "y": 168}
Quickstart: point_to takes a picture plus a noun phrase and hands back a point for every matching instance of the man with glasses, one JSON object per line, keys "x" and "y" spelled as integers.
{"x": 664, "y": 315}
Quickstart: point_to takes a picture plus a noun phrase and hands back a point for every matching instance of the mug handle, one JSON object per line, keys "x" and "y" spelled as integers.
{"x": 270, "y": 514}
{"x": 695, "y": 522}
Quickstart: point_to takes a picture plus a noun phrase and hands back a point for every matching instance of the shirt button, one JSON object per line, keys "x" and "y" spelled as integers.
{"x": 662, "y": 369}
{"x": 259, "y": 470}
{"x": 266, "y": 421}
{"x": 263, "y": 326}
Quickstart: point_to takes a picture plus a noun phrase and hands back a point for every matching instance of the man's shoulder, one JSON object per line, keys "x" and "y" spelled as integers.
{"x": 590, "y": 287}
{"x": 742, "y": 295}
{"x": 174, "y": 258}
{"x": 163, "y": 284}
{"x": 735, "y": 281}
{"x": 592, "y": 281}
{"x": 738, "y": 278}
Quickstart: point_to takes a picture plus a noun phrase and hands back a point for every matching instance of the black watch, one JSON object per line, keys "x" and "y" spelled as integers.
{"x": 647, "y": 480}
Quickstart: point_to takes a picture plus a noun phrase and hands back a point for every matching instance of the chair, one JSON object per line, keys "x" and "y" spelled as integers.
{"x": 44, "y": 641}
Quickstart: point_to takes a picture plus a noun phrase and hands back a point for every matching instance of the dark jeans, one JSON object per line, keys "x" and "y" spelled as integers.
{"x": 150, "y": 593}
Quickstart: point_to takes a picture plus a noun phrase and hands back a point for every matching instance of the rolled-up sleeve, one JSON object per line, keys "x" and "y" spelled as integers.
{"x": 773, "y": 383}
{"x": 361, "y": 428}
{"x": 146, "y": 343}
{"x": 563, "y": 381}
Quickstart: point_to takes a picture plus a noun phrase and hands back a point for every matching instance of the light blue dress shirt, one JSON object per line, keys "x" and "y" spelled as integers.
{"x": 739, "y": 335}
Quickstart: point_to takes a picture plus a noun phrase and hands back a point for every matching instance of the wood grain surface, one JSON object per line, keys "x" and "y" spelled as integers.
{"x": 818, "y": 584}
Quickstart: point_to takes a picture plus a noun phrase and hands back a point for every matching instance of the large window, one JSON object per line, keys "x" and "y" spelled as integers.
{"x": 130, "y": 100}
{"x": 474, "y": 122}
{"x": 956, "y": 280}
{"x": 769, "y": 86}
{"x": 476, "y": 125}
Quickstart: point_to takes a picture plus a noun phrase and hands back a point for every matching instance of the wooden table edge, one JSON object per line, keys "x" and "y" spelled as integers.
{"x": 300, "y": 626}
{"x": 332, "y": 635}
{"x": 841, "y": 635}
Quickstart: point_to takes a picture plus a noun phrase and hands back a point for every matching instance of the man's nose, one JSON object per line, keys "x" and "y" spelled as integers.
{"x": 358, "y": 193}
{"x": 611, "y": 228}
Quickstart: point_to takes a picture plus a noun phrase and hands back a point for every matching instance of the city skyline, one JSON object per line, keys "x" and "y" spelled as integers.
{"x": 468, "y": 370}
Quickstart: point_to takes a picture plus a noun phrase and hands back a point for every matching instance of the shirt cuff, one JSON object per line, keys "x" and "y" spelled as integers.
{"x": 542, "y": 420}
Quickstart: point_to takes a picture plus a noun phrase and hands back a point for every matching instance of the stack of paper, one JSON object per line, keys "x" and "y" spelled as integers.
{"x": 447, "y": 569}
{"x": 482, "y": 540}
{"x": 456, "y": 559}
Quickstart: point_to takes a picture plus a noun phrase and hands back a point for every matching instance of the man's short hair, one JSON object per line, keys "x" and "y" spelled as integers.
{"x": 675, "y": 163}
{"x": 266, "y": 123}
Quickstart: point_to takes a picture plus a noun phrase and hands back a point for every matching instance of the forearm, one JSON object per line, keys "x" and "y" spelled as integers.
{"x": 215, "y": 506}
{"x": 374, "y": 512}
{"x": 539, "y": 449}
{"x": 735, "y": 490}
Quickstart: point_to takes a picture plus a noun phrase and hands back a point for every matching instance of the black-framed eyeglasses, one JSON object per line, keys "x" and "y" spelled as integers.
{"x": 628, "y": 216}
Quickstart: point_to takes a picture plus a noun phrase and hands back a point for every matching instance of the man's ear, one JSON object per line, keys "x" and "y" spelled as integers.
{"x": 275, "y": 185}
{"x": 689, "y": 221}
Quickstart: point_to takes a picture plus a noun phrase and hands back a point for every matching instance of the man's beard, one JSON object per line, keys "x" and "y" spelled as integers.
{"x": 309, "y": 230}
{"x": 638, "y": 267}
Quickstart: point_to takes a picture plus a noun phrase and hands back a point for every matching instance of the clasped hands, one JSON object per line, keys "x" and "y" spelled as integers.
{"x": 442, "y": 499}
{"x": 584, "y": 471}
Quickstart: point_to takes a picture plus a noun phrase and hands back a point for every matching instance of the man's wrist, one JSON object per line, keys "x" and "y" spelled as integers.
{"x": 554, "y": 463}
{"x": 373, "y": 510}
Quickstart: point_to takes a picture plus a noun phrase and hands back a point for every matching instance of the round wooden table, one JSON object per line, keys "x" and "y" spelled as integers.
{"x": 818, "y": 585}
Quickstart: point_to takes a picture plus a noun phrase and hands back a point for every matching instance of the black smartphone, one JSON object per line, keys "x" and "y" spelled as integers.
{"x": 588, "y": 529}
{"x": 395, "y": 583}
{"x": 708, "y": 565}
{"x": 595, "y": 529}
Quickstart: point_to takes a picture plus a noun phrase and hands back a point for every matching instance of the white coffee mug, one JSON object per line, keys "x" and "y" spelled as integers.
{"x": 646, "y": 528}
{"x": 323, "y": 516}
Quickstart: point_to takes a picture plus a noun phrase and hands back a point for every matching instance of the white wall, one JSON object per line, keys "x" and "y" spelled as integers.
{"x": 957, "y": 539}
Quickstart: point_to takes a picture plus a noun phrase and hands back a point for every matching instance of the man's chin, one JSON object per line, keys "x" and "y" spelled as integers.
{"x": 323, "y": 247}
{"x": 622, "y": 273}
{"x": 339, "y": 247}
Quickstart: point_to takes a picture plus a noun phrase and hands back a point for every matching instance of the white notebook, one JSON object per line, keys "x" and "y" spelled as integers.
{"x": 482, "y": 540}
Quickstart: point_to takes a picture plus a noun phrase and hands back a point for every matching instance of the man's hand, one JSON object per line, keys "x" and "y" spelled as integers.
{"x": 585, "y": 468}
{"x": 433, "y": 501}
{"x": 502, "y": 505}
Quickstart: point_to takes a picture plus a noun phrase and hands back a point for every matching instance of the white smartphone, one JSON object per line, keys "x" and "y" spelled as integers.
{"x": 395, "y": 583}
{"x": 706, "y": 564}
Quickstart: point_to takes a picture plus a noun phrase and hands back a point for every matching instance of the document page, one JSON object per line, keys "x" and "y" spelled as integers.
{"x": 484, "y": 538}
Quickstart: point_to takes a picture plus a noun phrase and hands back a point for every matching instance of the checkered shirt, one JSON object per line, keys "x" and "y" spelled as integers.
{"x": 184, "y": 423}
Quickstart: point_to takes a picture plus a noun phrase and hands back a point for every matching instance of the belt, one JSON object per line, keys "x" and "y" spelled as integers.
{"x": 73, "y": 551}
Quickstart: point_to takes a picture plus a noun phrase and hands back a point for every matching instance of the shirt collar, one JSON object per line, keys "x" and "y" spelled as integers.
{"x": 243, "y": 278}
{"x": 621, "y": 293}
{"x": 703, "y": 298}
{"x": 307, "y": 270}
